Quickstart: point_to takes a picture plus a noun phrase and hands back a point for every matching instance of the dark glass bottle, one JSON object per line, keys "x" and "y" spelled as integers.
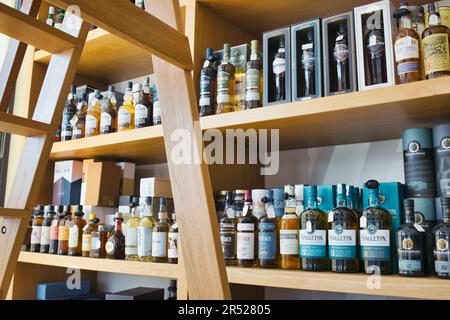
{"x": 410, "y": 244}
{"x": 279, "y": 71}
{"x": 309, "y": 66}
{"x": 70, "y": 110}
{"x": 115, "y": 246}
{"x": 58, "y": 134}
{"x": 108, "y": 115}
{"x": 341, "y": 56}
{"x": 208, "y": 77}
{"x": 289, "y": 232}
{"x": 268, "y": 235}
{"x": 172, "y": 251}
{"x": 254, "y": 78}
{"x": 143, "y": 109}
{"x": 376, "y": 55}
{"x": 63, "y": 232}
{"x": 342, "y": 235}
{"x": 76, "y": 233}
{"x": 441, "y": 235}
{"x": 227, "y": 225}
{"x": 79, "y": 121}
{"x": 172, "y": 290}
{"x": 54, "y": 230}
{"x": 46, "y": 225}
{"x": 226, "y": 83}
{"x": 375, "y": 234}
{"x": 247, "y": 235}
{"x": 313, "y": 234}
{"x": 36, "y": 226}
{"x": 353, "y": 199}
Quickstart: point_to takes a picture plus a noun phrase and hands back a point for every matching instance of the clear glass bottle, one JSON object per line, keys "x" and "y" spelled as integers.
{"x": 46, "y": 225}
{"x": 268, "y": 235}
{"x": 54, "y": 230}
{"x": 143, "y": 105}
{"x": 254, "y": 78}
{"x": 98, "y": 242}
{"x": 309, "y": 66}
{"x": 279, "y": 71}
{"x": 51, "y": 16}
{"x": 342, "y": 235}
{"x": 313, "y": 234}
{"x": 172, "y": 252}
{"x": 208, "y": 78}
{"x": 375, "y": 234}
{"x": 36, "y": 231}
{"x": 247, "y": 235}
{"x": 115, "y": 246}
{"x": 63, "y": 232}
{"x": 410, "y": 240}
{"x": 441, "y": 237}
{"x": 88, "y": 229}
{"x": 341, "y": 55}
{"x": 226, "y": 82}
{"x": 79, "y": 120}
{"x": 131, "y": 234}
{"x": 108, "y": 117}
{"x": 92, "y": 126}
{"x": 160, "y": 238}
{"x": 289, "y": 232}
{"x": 76, "y": 232}
{"x": 375, "y": 55}
{"x": 145, "y": 231}
{"x": 156, "y": 107}
{"x": 70, "y": 110}
{"x": 126, "y": 111}
{"x": 227, "y": 226}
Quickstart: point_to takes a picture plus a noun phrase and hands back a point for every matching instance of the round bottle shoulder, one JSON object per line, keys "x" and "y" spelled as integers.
{"x": 407, "y": 32}
{"x": 344, "y": 213}
{"x": 435, "y": 30}
{"x": 313, "y": 213}
{"x": 442, "y": 227}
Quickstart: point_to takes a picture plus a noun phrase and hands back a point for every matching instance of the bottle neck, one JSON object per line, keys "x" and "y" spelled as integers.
{"x": 374, "y": 201}
{"x": 405, "y": 22}
{"x": 409, "y": 215}
{"x": 341, "y": 202}
{"x": 312, "y": 203}
{"x": 446, "y": 214}
{"x": 350, "y": 203}
{"x": 118, "y": 225}
{"x": 434, "y": 19}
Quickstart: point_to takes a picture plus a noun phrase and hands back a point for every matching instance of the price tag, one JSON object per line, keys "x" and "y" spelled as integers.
{"x": 372, "y": 40}
{"x": 340, "y": 38}
{"x": 175, "y": 225}
{"x": 363, "y": 222}
{"x": 271, "y": 212}
{"x": 230, "y": 213}
{"x": 74, "y": 120}
{"x": 330, "y": 216}
{"x": 245, "y": 211}
{"x": 85, "y": 227}
{"x": 206, "y": 64}
{"x": 419, "y": 227}
{"x": 309, "y": 227}
{"x": 307, "y": 46}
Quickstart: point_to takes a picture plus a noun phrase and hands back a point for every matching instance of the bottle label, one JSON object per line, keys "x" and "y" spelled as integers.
{"x": 267, "y": 241}
{"x": 419, "y": 171}
{"x": 45, "y": 236}
{"x": 141, "y": 115}
{"x": 406, "y": 48}
{"x": 54, "y": 229}
{"x": 159, "y": 244}
{"x": 289, "y": 242}
{"x": 253, "y": 79}
{"x": 223, "y": 87}
{"x": 228, "y": 241}
{"x": 124, "y": 118}
{"x": 342, "y": 243}
{"x": 442, "y": 156}
{"x": 436, "y": 53}
{"x": 95, "y": 243}
{"x": 86, "y": 243}
{"x": 66, "y": 133}
{"x": 91, "y": 124}
{"x": 156, "y": 112}
{"x": 173, "y": 245}
{"x": 246, "y": 227}
{"x": 144, "y": 242}
{"x": 109, "y": 247}
{"x": 375, "y": 244}
{"x": 410, "y": 265}
{"x": 63, "y": 234}
{"x": 131, "y": 241}
{"x": 36, "y": 235}
{"x": 73, "y": 236}
{"x": 246, "y": 245}
{"x": 105, "y": 120}
{"x": 341, "y": 52}
{"x": 313, "y": 244}
{"x": 442, "y": 267}
{"x": 205, "y": 85}
{"x": 407, "y": 67}
{"x": 279, "y": 66}
{"x": 77, "y": 132}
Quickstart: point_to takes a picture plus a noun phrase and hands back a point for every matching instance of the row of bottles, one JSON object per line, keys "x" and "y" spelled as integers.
{"x": 56, "y": 230}
{"x": 343, "y": 240}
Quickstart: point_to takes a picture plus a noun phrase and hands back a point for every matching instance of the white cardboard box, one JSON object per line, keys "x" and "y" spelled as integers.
{"x": 155, "y": 187}
{"x": 127, "y": 178}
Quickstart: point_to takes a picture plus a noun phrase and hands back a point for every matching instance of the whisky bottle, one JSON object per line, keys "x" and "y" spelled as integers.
{"x": 92, "y": 126}
{"x": 341, "y": 55}
{"x": 108, "y": 117}
{"x": 140, "y": 4}
{"x": 375, "y": 237}
{"x": 309, "y": 66}
{"x": 69, "y": 111}
{"x": 289, "y": 232}
{"x": 76, "y": 233}
{"x": 126, "y": 111}
{"x": 268, "y": 235}
{"x": 88, "y": 229}
{"x": 63, "y": 232}
{"x": 35, "y": 245}
{"x": 208, "y": 78}
{"x": 435, "y": 44}
{"x": 45, "y": 231}
{"x": 342, "y": 239}
{"x": 156, "y": 108}
{"x": 51, "y": 16}
{"x": 406, "y": 47}
{"x": 352, "y": 200}
{"x": 172, "y": 290}
{"x": 59, "y": 19}
{"x": 79, "y": 120}
{"x": 145, "y": 231}
{"x": 131, "y": 233}
{"x": 98, "y": 242}
{"x": 410, "y": 240}
{"x": 238, "y": 202}
{"x": 279, "y": 72}
{"x": 115, "y": 246}
{"x": 172, "y": 252}
{"x": 441, "y": 236}
{"x": 54, "y": 230}
{"x": 220, "y": 203}
{"x": 376, "y": 56}
{"x": 143, "y": 105}
{"x": 227, "y": 225}
{"x": 225, "y": 83}
{"x": 58, "y": 134}
{"x": 160, "y": 239}
{"x": 313, "y": 234}
{"x": 254, "y": 78}
{"x": 247, "y": 235}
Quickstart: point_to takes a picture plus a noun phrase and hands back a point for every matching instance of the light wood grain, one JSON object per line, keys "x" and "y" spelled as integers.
{"x": 22, "y": 126}
{"x": 27, "y": 29}
{"x": 14, "y": 213}
{"x": 147, "y": 32}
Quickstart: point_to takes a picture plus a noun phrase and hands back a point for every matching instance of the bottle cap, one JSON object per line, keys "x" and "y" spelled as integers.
{"x": 148, "y": 201}
{"x": 239, "y": 192}
{"x": 289, "y": 190}
{"x": 441, "y": 136}
{"x": 111, "y": 88}
{"x": 130, "y": 85}
{"x": 404, "y": 4}
{"x": 92, "y": 216}
{"x": 134, "y": 201}
{"x": 341, "y": 189}
{"x": 51, "y": 10}
{"x": 226, "y": 47}
{"x": 282, "y": 42}
{"x": 350, "y": 191}
{"x": 248, "y": 196}
{"x": 137, "y": 87}
{"x": 223, "y": 192}
{"x": 84, "y": 97}
{"x": 373, "y": 187}
{"x": 311, "y": 191}
{"x": 118, "y": 215}
{"x": 162, "y": 202}
{"x": 101, "y": 228}
{"x": 147, "y": 81}
{"x": 414, "y": 136}
{"x": 209, "y": 53}
{"x": 229, "y": 197}
{"x": 255, "y": 45}
{"x": 67, "y": 210}
{"x": 161, "y": 215}
{"x": 408, "y": 203}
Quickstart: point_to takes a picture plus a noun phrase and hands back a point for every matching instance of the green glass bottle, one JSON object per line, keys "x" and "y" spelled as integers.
{"x": 353, "y": 199}
{"x": 441, "y": 237}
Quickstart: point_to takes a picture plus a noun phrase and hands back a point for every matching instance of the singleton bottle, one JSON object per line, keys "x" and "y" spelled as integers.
{"x": 115, "y": 246}
{"x": 172, "y": 252}
{"x": 376, "y": 55}
{"x": 70, "y": 110}
{"x": 435, "y": 46}
{"x": 289, "y": 232}
{"x": 37, "y": 230}
{"x": 313, "y": 234}
{"x": 225, "y": 83}
{"x": 279, "y": 72}
{"x": 309, "y": 66}
{"x": 79, "y": 120}
{"x": 247, "y": 235}
{"x": 131, "y": 233}
{"x": 76, "y": 232}
{"x": 108, "y": 118}
{"x": 227, "y": 225}
{"x": 46, "y": 225}
{"x": 342, "y": 239}
{"x": 268, "y": 234}
{"x": 208, "y": 78}
{"x": 143, "y": 105}
{"x": 254, "y": 78}
{"x": 54, "y": 230}
{"x": 51, "y": 16}
{"x": 92, "y": 126}
{"x": 63, "y": 232}
{"x": 410, "y": 240}
{"x": 126, "y": 111}
{"x": 88, "y": 229}
{"x": 375, "y": 224}
{"x": 406, "y": 47}
{"x": 341, "y": 55}
{"x": 441, "y": 236}
{"x": 145, "y": 231}
{"x": 160, "y": 239}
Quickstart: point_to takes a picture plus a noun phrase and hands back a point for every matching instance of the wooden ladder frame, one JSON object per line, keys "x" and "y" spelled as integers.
{"x": 160, "y": 32}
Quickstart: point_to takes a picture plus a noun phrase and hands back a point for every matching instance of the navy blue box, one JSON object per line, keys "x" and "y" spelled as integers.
{"x": 60, "y": 291}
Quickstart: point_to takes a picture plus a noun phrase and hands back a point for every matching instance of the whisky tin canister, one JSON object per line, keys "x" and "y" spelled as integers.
{"x": 441, "y": 142}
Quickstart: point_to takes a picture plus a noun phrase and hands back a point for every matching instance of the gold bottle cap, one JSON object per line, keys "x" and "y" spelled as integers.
{"x": 92, "y": 216}
{"x": 239, "y": 191}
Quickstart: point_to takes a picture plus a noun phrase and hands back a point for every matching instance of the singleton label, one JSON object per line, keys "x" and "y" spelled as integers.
{"x": 314, "y": 244}
{"x": 342, "y": 243}
{"x": 375, "y": 244}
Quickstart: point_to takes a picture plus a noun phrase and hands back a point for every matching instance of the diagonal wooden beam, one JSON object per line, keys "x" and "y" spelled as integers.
{"x": 203, "y": 258}
{"x": 129, "y": 22}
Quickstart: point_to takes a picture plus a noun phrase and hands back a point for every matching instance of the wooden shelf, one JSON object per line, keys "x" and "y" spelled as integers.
{"x": 108, "y": 58}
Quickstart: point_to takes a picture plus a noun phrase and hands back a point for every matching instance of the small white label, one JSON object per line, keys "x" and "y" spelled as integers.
{"x": 372, "y": 40}
{"x": 245, "y": 245}
{"x": 289, "y": 243}
{"x": 331, "y": 216}
{"x": 91, "y": 123}
{"x": 246, "y": 227}
{"x": 245, "y": 211}
{"x": 307, "y": 46}
{"x": 66, "y": 133}
{"x": 223, "y": 98}
{"x": 340, "y": 38}
{"x": 271, "y": 212}
{"x": 74, "y": 121}
{"x": 105, "y": 119}
{"x": 406, "y": 48}
{"x": 205, "y": 102}
{"x": 419, "y": 227}
{"x": 95, "y": 244}
{"x": 36, "y": 235}
{"x": 131, "y": 237}
{"x": 230, "y": 213}
{"x": 252, "y": 96}
{"x": 173, "y": 245}
{"x": 309, "y": 226}
{"x": 363, "y": 222}
{"x": 144, "y": 242}
{"x": 73, "y": 236}
{"x": 45, "y": 236}
{"x": 433, "y": 20}
{"x": 141, "y": 112}
{"x": 279, "y": 66}
{"x": 206, "y": 64}
{"x": 156, "y": 110}
{"x": 124, "y": 118}
{"x": 159, "y": 244}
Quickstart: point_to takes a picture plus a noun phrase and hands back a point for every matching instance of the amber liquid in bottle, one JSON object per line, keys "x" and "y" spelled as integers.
{"x": 38, "y": 219}
{"x": 173, "y": 241}
{"x": 226, "y": 83}
{"x": 87, "y": 235}
{"x": 160, "y": 238}
{"x": 80, "y": 120}
{"x": 227, "y": 225}
{"x": 63, "y": 232}
{"x": 76, "y": 233}
{"x": 290, "y": 224}
{"x": 98, "y": 242}
{"x": 126, "y": 111}
{"x": 247, "y": 235}
{"x": 108, "y": 117}
{"x": 254, "y": 79}
{"x": 115, "y": 246}
{"x": 92, "y": 126}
